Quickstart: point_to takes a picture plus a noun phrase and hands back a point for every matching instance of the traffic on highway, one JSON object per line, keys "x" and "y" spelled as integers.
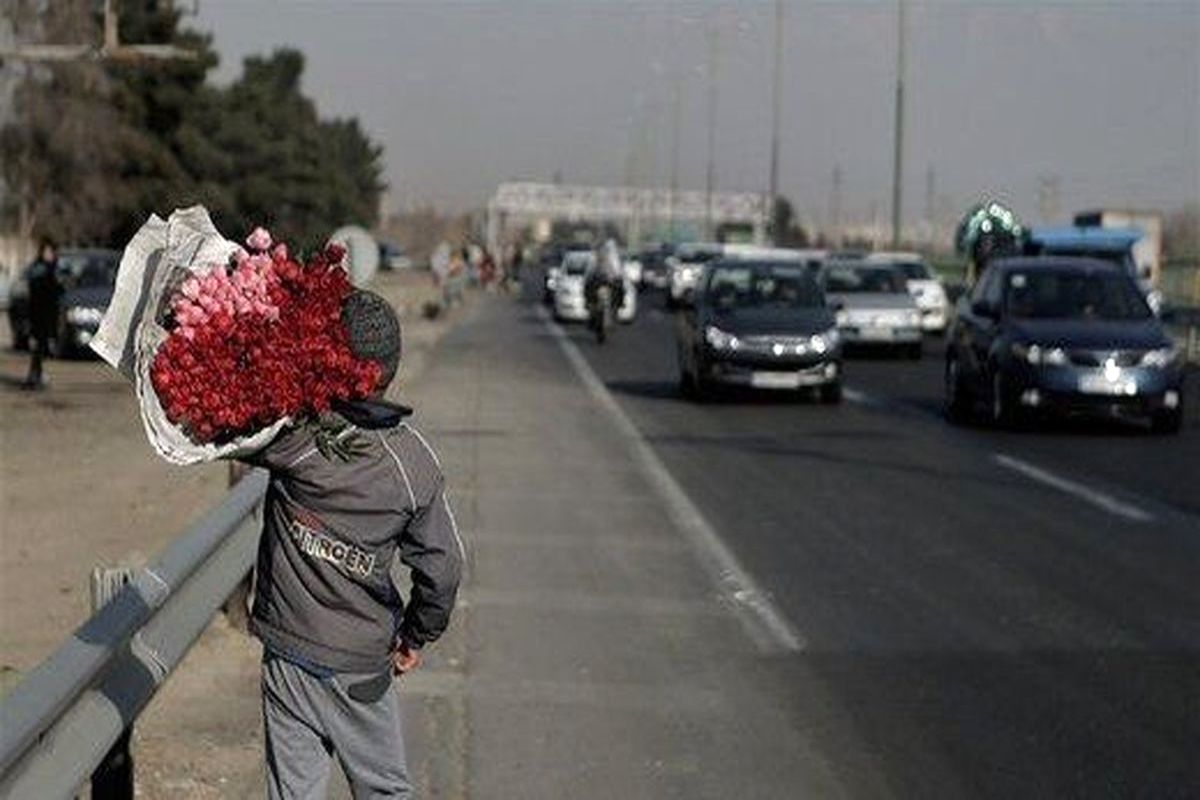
{"x": 989, "y": 568}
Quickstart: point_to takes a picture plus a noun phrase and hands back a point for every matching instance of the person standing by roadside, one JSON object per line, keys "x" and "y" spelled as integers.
{"x": 334, "y": 627}
{"x": 44, "y": 291}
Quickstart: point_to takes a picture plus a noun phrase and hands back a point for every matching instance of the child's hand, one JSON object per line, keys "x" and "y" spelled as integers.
{"x": 405, "y": 659}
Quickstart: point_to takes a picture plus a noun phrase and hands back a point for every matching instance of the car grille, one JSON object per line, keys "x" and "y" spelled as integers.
{"x": 1098, "y": 358}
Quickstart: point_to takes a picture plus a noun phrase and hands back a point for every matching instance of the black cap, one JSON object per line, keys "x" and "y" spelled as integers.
{"x": 374, "y": 331}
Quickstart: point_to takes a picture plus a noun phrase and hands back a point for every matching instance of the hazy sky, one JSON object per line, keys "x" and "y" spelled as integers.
{"x": 1105, "y": 96}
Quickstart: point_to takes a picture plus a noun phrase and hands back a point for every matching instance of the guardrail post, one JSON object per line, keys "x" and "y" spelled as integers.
{"x": 113, "y": 778}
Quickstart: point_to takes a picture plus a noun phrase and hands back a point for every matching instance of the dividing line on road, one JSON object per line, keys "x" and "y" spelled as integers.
{"x": 761, "y": 619}
{"x": 860, "y": 397}
{"x": 1101, "y": 500}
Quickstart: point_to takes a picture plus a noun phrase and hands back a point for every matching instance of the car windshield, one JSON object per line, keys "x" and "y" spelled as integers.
{"x": 872, "y": 279}
{"x": 1073, "y": 295}
{"x": 577, "y": 263}
{"x": 757, "y": 285}
{"x": 696, "y": 256}
{"x": 914, "y": 270}
{"x": 88, "y": 270}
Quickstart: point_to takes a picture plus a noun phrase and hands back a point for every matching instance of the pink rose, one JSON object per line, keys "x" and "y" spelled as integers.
{"x": 259, "y": 239}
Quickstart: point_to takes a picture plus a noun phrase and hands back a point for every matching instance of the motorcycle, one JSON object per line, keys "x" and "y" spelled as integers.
{"x": 600, "y": 312}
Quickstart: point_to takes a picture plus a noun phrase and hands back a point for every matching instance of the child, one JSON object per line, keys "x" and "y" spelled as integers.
{"x": 334, "y": 629}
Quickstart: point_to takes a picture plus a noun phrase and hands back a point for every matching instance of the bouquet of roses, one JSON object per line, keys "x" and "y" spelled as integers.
{"x": 229, "y": 343}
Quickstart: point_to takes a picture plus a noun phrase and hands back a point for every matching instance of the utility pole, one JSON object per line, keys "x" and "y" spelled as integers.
{"x": 711, "y": 174}
{"x": 835, "y": 205}
{"x": 776, "y": 95}
{"x": 675, "y": 103}
{"x": 898, "y": 139}
{"x": 929, "y": 194}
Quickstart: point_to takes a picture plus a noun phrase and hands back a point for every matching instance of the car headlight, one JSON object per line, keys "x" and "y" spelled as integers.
{"x": 1038, "y": 355}
{"x": 825, "y": 341}
{"x": 719, "y": 339}
{"x": 80, "y": 315}
{"x": 842, "y": 319}
{"x": 1162, "y": 357}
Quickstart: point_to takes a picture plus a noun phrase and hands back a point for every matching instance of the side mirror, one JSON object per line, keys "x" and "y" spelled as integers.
{"x": 835, "y": 305}
{"x": 982, "y": 308}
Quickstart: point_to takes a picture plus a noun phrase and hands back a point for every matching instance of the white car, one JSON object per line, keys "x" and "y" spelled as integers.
{"x": 925, "y": 288}
{"x": 570, "y": 302}
{"x": 873, "y": 307}
{"x": 686, "y": 268}
{"x": 570, "y": 305}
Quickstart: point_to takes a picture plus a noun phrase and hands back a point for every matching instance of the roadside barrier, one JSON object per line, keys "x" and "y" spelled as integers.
{"x": 70, "y": 719}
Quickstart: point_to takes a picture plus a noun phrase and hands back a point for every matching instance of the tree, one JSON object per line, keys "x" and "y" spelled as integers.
{"x": 93, "y": 149}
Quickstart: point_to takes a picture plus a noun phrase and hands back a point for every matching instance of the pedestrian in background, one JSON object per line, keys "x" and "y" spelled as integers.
{"x": 44, "y": 291}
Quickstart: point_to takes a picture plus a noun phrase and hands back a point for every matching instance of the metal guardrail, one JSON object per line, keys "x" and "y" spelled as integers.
{"x": 58, "y": 724}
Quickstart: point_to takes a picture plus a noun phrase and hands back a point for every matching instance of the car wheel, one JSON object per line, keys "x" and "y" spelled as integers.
{"x": 830, "y": 393}
{"x": 914, "y": 352}
{"x": 960, "y": 404}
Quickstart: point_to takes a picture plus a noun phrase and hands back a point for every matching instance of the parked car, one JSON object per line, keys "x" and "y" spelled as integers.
{"x": 760, "y": 324}
{"x": 1059, "y": 334}
{"x": 87, "y": 278}
{"x": 392, "y": 256}
{"x": 927, "y": 290}
{"x": 873, "y": 305}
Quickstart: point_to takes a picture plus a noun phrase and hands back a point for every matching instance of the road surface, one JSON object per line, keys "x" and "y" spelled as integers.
{"x": 972, "y": 613}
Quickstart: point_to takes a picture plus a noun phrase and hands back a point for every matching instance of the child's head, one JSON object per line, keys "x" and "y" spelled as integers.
{"x": 374, "y": 332}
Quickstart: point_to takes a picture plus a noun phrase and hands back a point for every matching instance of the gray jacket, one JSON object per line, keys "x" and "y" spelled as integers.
{"x": 331, "y": 528}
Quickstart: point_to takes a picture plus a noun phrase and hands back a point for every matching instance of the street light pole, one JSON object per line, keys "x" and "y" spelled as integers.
{"x": 776, "y": 93}
{"x": 675, "y": 103}
{"x": 898, "y": 139}
{"x": 711, "y": 175}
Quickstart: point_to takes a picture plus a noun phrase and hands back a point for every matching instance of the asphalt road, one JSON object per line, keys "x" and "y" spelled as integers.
{"x": 984, "y": 613}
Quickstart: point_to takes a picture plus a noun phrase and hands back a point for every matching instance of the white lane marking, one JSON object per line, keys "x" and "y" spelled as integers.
{"x": 761, "y": 619}
{"x": 855, "y": 396}
{"x": 1097, "y": 498}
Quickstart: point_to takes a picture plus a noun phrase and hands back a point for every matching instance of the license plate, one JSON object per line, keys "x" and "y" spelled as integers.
{"x": 877, "y": 334}
{"x": 775, "y": 380}
{"x": 1103, "y": 384}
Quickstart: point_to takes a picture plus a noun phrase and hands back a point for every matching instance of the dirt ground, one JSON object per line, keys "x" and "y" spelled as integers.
{"x": 79, "y": 487}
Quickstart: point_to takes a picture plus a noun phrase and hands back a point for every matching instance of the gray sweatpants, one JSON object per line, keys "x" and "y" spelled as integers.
{"x": 308, "y": 719}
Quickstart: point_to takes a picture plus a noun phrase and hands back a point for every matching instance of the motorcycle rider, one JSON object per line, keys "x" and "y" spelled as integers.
{"x": 606, "y": 269}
